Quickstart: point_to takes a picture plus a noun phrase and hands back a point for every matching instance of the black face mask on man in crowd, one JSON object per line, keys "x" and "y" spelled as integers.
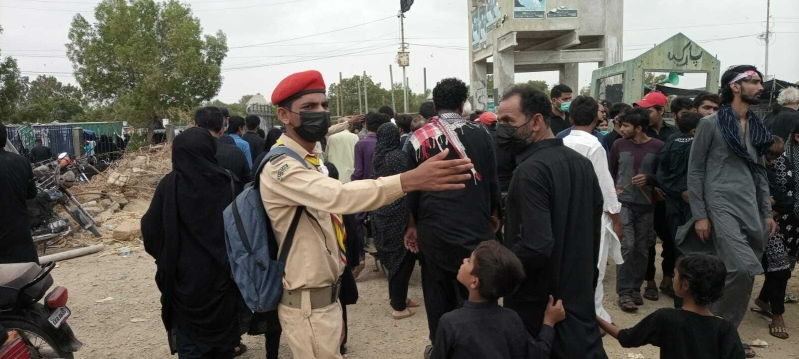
{"x": 313, "y": 125}
{"x": 508, "y": 138}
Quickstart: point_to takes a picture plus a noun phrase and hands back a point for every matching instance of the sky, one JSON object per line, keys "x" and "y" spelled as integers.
{"x": 270, "y": 39}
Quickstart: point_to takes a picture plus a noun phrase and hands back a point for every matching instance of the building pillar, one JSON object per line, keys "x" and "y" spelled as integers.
{"x": 77, "y": 141}
{"x": 569, "y": 76}
{"x": 613, "y": 40}
{"x": 479, "y": 86}
{"x": 504, "y": 71}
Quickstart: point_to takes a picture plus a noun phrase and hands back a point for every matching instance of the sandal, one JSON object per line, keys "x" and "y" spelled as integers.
{"x": 407, "y": 313}
{"x": 626, "y": 303}
{"x": 763, "y": 312}
{"x": 749, "y": 352}
{"x": 651, "y": 293}
{"x": 778, "y": 332}
{"x": 411, "y": 303}
{"x": 637, "y": 299}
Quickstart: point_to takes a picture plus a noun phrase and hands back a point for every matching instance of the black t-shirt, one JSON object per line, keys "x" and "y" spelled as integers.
{"x": 684, "y": 334}
{"x": 41, "y": 153}
{"x": 558, "y": 124}
{"x": 486, "y": 330}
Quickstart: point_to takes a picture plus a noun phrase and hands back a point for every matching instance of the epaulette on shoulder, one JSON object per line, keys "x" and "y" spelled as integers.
{"x": 275, "y": 160}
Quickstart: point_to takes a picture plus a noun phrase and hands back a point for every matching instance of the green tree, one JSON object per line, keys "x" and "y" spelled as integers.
{"x": 49, "y": 100}
{"x": 375, "y": 93}
{"x": 650, "y": 79}
{"x": 147, "y": 59}
{"x": 540, "y": 86}
{"x": 12, "y": 88}
{"x": 585, "y": 91}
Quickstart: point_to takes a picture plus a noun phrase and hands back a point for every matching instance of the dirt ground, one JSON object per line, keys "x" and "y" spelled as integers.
{"x": 129, "y": 325}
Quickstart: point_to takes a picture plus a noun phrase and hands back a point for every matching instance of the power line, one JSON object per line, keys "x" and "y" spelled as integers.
{"x": 97, "y": 3}
{"x": 692, "y": 26}
{"x": 311, "y": 35}
{"x": 697, "y": 41}
{"x": 307, "y": 60}
{"x": 195, "y": 10}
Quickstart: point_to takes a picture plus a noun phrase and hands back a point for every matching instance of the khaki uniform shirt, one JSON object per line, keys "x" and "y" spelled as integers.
{"x": 314, "y": 260}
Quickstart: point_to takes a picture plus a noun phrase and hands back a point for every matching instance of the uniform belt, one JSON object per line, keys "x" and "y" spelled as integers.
{"x": 320, "y": 297}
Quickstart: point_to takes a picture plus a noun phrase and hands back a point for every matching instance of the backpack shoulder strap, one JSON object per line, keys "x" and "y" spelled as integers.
{"x": 237, "y": 216}
{"x": 277, "y": 151}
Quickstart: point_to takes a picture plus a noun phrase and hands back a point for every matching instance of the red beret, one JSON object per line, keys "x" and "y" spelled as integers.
{"x": 298, "y": 84}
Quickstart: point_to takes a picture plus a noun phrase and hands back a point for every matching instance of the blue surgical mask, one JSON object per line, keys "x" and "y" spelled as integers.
{"x": 564, "y": 107}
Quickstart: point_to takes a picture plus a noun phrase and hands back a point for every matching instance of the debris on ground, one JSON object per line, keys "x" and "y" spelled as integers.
{"x": 117, "y": 199}
{"x": 759, "y": 343}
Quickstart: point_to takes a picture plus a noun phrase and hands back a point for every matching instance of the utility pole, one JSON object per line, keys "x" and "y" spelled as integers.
{"x": 391, "y": 79}
{"x": 425, "y": 83}
{"x": 768, "y": 34}
{"x": 403, "y": 60}
{"x": 360, "y": 104}
{"x": 340, "y": 96}
{"x": 365, "y": 94}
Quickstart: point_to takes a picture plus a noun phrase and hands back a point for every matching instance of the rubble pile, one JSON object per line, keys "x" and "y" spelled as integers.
{"x": 119, "y": 197}
{"x": 138, "y": 173}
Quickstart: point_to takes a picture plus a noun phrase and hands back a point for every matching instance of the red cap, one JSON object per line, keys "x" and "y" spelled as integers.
{"x": 651, "y": 99}
{"x": 298, "y": 84}
{"x": 487, "y": 118}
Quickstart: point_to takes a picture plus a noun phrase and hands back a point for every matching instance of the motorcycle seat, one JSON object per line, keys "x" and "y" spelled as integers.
{"x": 16, "y": 279}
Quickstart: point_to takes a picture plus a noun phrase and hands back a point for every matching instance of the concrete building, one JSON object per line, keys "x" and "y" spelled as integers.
{"x": 539, "y": 35}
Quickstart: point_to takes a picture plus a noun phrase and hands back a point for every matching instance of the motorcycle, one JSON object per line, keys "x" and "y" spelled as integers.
{"x": 54, "y": 186}
{"x": 46, "y": 224}
{"x": 43, "y": 326}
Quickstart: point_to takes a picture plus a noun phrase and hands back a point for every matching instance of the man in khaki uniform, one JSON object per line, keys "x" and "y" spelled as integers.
{"x": 309, "y": 312}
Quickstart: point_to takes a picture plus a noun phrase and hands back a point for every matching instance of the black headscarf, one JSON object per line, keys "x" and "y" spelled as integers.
{"x": 271, "y": 138}
{"x": 388, "y": 158}
{"x": 184, "y": 231}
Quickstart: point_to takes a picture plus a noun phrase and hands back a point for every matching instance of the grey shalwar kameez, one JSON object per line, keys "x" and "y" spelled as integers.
{"x": 724, "y": 190}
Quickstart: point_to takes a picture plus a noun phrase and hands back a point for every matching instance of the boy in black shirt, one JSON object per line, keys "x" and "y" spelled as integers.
{"x": 483, "y": 329}
{"x": 693, "y": 332}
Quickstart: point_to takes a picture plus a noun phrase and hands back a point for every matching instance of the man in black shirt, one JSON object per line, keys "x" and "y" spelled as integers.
{"x": 252, "y": 137}
{"x": 228, "y": 155}
{"x": 17, "y": 186}
{"x": 40, "y": 153}
{"x": 451, "y": 223}
{"x": 553, "y": 189}
{"x": 560, "y": 94}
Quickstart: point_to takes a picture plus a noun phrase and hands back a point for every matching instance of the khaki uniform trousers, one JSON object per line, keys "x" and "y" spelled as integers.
{"x": 312, "y": 333}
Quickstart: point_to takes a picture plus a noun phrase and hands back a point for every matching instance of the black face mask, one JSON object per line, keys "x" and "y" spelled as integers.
{"x": 313, "y": 125}
{"x": 507, "y": 141}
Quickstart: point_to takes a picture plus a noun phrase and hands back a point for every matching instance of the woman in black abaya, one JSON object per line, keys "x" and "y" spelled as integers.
{"x": 184, "y": 231}
{"x": 388, "y": 223}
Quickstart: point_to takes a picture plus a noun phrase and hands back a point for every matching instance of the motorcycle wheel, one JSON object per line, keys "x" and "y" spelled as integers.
{"x": 40, "y": 344}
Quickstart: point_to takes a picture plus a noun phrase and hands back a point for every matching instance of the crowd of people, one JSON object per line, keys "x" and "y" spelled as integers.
{"x": 525, "y": 205}
{"x": 487, "y": 205}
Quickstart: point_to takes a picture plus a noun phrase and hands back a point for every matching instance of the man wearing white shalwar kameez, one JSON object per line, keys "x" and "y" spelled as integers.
{"x": 585, "y": 118}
